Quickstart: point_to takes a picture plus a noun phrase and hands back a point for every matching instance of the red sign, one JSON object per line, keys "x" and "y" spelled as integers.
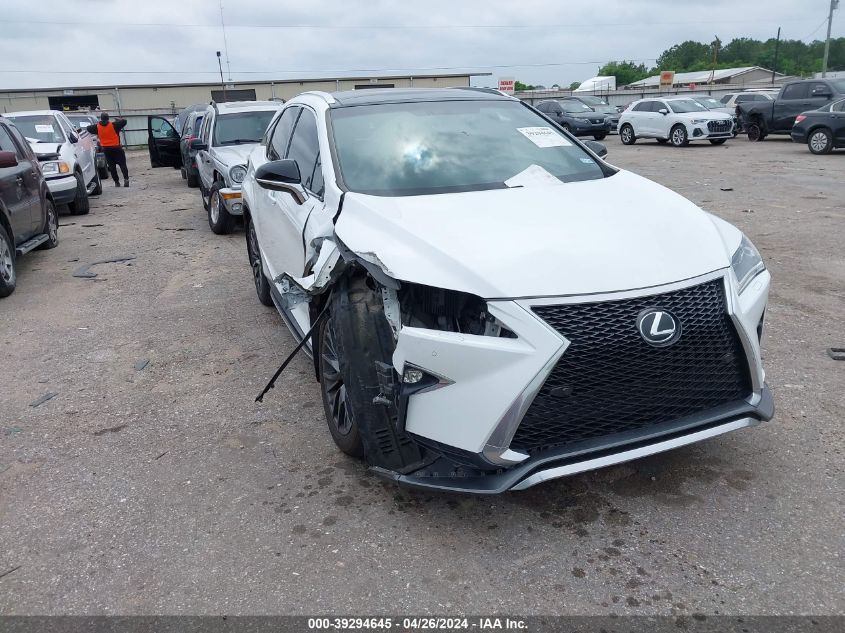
{"x": 507, "y": 85}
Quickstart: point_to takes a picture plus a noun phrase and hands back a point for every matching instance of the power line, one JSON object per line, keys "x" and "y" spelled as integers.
{"x": 404, "y": 27}
{"x": 319, "y": 70}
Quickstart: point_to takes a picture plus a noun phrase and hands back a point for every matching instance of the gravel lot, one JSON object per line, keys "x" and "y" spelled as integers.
{"x": 166, "y": 489}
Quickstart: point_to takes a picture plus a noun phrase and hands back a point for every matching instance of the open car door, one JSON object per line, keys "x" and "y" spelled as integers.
{"x": 163, "y": 142}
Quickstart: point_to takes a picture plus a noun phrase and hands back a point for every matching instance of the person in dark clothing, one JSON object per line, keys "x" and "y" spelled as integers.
{"x": 109, "y": 135}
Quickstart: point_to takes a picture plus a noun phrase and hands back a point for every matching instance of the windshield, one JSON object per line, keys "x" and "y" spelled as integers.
{"x": 40, "y": 128}
{"x": 452, "y": 146}
{"x": 593, "y": 101}
{"x": 242, "y": 127}
{"x": 680, "y": 106}
{"x": 80, "y": 120}
{"x": 709, "y": 102}
{"x": 574, "y": 107}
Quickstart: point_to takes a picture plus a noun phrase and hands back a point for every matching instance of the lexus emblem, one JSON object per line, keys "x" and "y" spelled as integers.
{"x": 658, "y": 328}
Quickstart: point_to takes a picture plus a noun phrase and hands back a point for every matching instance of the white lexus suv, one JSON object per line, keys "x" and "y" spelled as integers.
{"x": 489, "y": 304}
{"x": 676, "y": 120}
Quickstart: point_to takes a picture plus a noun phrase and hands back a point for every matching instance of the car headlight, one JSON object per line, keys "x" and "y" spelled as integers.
{"x": 699, "y": 121}
{"x": 746, "y": 263}
{"x": 237, "y": 173}
{"x": 54, "y": 168}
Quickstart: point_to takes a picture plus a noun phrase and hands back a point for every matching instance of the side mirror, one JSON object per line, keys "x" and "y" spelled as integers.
{"x": 663, "y": 111}
{"x": 8, "y": 159}
{"x": 600, "y": 149}
{"x": 281, "y": 175}
{"x": 73, "y": 138}
{"x": 197, "y": 145}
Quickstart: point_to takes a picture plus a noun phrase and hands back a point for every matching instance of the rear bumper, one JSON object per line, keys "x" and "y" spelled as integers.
{"x": 798, "y": 136}
{"x": 62, "y": 189}
{"x": 607, "y": 451}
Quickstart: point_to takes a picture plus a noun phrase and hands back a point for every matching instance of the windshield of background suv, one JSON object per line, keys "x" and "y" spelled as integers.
{"x": 686, "y": 105}
{"x": 407, "y": 149}
{"x": 839, "y": 84}
{"x": 80, "y": 120}
{"x": 593, "y": 101}
{"x": 41, "y": 128}
{"x": 241, "y": 127}
{"x": 574, "y": 107}
{"x": 709, "y": 102}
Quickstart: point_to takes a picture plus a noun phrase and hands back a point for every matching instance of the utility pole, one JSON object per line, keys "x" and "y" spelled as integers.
{"x": 225, "y": 43}
{"x": 833, "y": 5}
{"x": 222, "y": 83}
{"x": 775, "y": 66}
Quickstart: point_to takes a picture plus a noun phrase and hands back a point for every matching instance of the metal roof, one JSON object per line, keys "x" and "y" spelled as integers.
{"x": 699, "y": 76}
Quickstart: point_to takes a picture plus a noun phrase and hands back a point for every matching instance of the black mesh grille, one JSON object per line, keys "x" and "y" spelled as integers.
{"x": 719, "y": 126}
{"x": 610, "y": 380}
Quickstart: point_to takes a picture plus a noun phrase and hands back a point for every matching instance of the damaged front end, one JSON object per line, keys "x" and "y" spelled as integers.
{"x": 376, "y": 322}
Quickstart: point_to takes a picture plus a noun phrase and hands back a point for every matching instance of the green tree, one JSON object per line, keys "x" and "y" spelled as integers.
{"x": 685, "y": 56}
{"x": 574, "y": 85}
{"x": 519, "y": 86}
{"x": 625, "y": 72}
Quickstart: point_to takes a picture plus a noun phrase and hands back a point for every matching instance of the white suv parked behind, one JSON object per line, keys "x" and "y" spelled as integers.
{"x": 229, "y": 132}
{"x": 678, "y": 120}
{"x": 67, "y": 158}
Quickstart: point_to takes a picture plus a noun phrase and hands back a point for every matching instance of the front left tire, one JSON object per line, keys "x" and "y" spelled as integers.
{"x": 600, "y": 137}
{"x": 80, "y": 204}
{"x": 51, "y": 227}
{"x": 678, "y": 136}
{"x": 626, "y": 134}
{"x": 219, "y": 219}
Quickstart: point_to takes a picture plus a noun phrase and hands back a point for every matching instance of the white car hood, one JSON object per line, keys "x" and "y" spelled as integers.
{"x": 612, "y": 234}
{"x": 232, "y": 155}
{"x": 710, "y": 115}
{"x": 42, "y": 149}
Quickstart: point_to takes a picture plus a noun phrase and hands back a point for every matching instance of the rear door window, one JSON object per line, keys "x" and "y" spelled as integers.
{"x": 6, "y": 142}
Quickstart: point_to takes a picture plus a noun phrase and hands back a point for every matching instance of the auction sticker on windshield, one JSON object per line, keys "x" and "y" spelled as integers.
{"x": 43, "y": 129}
{"x": 544, "y": 137}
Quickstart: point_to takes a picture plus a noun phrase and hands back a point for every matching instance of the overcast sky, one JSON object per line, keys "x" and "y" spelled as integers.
{"x": 110, "y": 42}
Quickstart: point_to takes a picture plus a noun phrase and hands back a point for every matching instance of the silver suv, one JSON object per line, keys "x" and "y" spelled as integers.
{"x": 229, "y": 132}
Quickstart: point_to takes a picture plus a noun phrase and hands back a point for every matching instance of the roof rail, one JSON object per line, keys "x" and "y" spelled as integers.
{"x": 327, "y": 97}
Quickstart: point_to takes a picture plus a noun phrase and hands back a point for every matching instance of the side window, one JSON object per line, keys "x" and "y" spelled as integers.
{"x": 278, "y": 147}
{"x": 744, "y": 98}
{"x": 725, "y": 98}
{"x": 22, "y": 144}
{"x": 796, "y": 91}
{"x": 839, "y": 106}
{"x": 317, "y": 184}
{"x": 305, "y": 148}
{"x": 206, "y": 128}
{"x": 542, "y": 107}
{"x": 7, "y": 144}
{"x": 643, "y": 106}
{"x": 555, "y": 107}
{"x": 818, "y": 89}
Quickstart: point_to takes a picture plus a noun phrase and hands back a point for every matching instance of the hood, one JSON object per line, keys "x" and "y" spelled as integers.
{"x": 617, "y": 233}
{"x": 710, "y": 115}
{"x": 232, "y": 155}
{"x": 46, "y": 150}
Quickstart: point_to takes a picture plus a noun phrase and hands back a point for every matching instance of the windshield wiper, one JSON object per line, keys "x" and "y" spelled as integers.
{"x": 238, "y": 141}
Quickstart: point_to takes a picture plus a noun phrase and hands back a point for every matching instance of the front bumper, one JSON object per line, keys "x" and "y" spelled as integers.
{"x": 608, "y": 452}
{"x": 62, "y": 189}
{"x": 231, "y": 198}
{"x": 591, "y": 129}
{"x": 495, "y": 380}
{"x": 701, "y": 132}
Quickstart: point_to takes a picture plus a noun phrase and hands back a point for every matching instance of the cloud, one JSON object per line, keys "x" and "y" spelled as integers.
{"x": 549, "y": 42}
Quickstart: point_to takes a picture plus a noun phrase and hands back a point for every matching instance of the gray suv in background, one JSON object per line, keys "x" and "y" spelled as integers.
{"x": 599, "y": 105}
{"x": 576, "y": 118}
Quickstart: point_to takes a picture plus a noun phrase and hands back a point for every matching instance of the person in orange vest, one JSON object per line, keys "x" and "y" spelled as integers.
{"x": 109, "y": 135}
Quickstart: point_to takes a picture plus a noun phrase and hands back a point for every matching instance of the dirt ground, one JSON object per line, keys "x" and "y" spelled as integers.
{"x": 152, "y": 483}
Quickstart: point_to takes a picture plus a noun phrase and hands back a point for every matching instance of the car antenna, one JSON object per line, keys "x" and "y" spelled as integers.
{"x": 308, "y": 334}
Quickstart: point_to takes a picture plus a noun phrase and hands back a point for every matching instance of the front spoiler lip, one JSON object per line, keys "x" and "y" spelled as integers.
{"x": 604, "y": 452}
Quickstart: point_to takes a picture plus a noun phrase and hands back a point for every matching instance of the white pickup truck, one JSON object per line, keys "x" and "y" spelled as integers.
{"x": 66, "y": 157}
